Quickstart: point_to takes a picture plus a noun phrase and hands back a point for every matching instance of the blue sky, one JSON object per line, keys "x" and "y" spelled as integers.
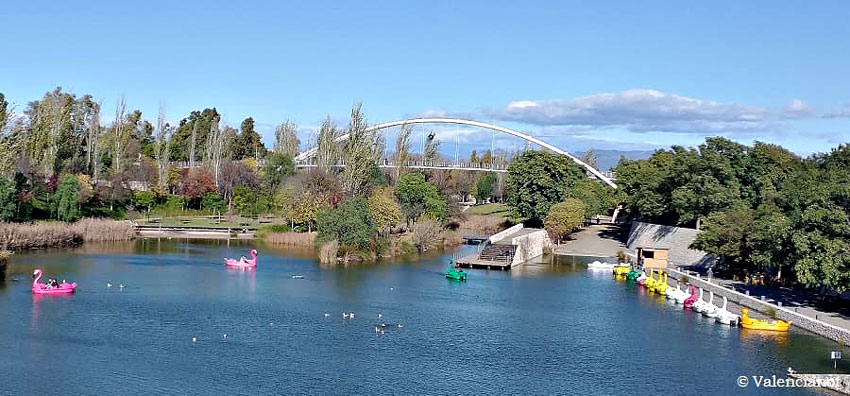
{"x": 612, "y": 75}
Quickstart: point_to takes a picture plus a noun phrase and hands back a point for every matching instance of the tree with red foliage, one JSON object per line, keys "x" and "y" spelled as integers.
{"x": 197, "y": 183}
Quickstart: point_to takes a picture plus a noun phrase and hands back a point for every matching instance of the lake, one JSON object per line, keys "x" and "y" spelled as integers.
{"x": 551, "y": 328}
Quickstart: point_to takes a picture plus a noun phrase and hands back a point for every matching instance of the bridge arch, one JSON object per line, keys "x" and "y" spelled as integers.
{"x": 458, "y": 121}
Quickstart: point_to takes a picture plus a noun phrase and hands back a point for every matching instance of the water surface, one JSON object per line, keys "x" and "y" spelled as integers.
{"x": 552, "y": 328}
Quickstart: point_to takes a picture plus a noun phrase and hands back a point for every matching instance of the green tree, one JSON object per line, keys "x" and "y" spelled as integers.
{"x": 199, "y": 123}
{"x": 144, "y": 199}
{"x": 213, "y": 202}
{"x": 418, "y": 197}
{"x": 244, "y": 200}
{"x": 68, "y": 199}
{"x": 8, "y": 204}
{"x": 537, "y": 180}
{"x": 594, "y": 195}
{"x": 565, "y": 217}
{"x": 278, "y": 168}
{"x": 360, "y": 154}
{"x": 484, "y": 188}
{"x": 250, "y": 144}
{"x": 350, "y": 224}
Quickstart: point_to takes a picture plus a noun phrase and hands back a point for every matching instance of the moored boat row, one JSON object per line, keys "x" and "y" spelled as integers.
{"x": 656, "y": 282}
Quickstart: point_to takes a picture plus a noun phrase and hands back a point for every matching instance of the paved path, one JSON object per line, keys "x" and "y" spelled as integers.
{"x": 595, "y": 240}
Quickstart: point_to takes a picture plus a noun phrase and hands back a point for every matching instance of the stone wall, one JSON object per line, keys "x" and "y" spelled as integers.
{"x": 804, "y": 322}
{"x": 676, "y": 239}
{"x": 835, "y": 382}
{"x": 497, "y": 237}
{"x": 530, "y": 245}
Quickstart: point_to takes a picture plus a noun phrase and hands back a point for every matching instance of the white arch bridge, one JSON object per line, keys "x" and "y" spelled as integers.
{"x": 302, "y": 159}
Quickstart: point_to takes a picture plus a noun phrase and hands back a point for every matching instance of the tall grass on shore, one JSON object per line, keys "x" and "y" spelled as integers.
{"x": 20, "y": 236}
{"x": 4, "y": 260}
{"x": 290, "y": 238}
{"x": 103, "y": 230}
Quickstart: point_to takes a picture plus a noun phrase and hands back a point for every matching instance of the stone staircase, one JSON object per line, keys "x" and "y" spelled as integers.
{"x": 497, "y": 253}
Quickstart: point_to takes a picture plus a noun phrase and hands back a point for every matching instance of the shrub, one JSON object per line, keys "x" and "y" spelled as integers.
{"x": 384, "y": 209}
{"x": 350, "y": 224}
{"x": 565, "y": 217}
{"x": 427, "y": 233}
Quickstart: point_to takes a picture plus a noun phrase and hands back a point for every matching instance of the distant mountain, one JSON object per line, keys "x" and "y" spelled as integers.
{"x": 607, "y": 159}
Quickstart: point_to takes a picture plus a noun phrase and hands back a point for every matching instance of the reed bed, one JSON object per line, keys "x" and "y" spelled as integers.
{"x": 290, "y": 238}
{"x": 104, "y": 230}
{"x": 21, "y": 236}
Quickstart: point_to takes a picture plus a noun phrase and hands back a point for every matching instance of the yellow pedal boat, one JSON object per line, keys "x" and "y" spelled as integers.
{"x": 756, "y": 324}
{"x": 622, "y": 270}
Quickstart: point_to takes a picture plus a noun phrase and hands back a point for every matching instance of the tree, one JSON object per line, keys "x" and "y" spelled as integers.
{"x": 431, "y": 151}
{"x": 162, "y": 148}
{"x": 198, "y": 182}
{"x": 197, "y": 123}
{"x": 286, "y": 139}
{"x": 243, "y": 199}
{"x": 305, "y": 209}
{"x": 236, "y": 174}
{"x": 462, "y": 182}
{"x": 278, "y": 167}
{"x": 537, "y": 180}
{"x": 68, "y": 199}
{"x": 120, "y": 136}
{"x": 360, "y": 154}
{"x": 327, "y": 147}
{"x": 4, "y": 112}
{"x": 565, "y": 217}
{"x": 350, "y": 224}
{"x": 418, "y": 197}
{"x": 144, "y": 199}
{"x": 216, "y": 149}
{"x": 250, "y": 143}
{"x": 725, "y": 235}
{"x": 384, "y": 209}
{"x": 402, "y": 150}
{"x": 213, "y": 202}
{"x": 484, "y": 187}
{"x": 8, "y": 204}
{"x": 594, "y": 195}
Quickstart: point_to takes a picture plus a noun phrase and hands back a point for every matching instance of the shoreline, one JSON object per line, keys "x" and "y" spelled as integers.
{"x": 801, "y": 321}
{"x": 194, "y": 233}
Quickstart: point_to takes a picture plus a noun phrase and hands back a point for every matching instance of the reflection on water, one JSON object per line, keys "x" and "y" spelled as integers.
{"x": 547, "y": 327}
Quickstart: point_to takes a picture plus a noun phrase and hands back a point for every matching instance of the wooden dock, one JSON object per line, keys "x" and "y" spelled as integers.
{"x": 472, "y": 261}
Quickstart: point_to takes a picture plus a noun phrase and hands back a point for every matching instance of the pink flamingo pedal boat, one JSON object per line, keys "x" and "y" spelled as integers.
{"x": 44, "y": 288}
{"x": 238, "y": 263}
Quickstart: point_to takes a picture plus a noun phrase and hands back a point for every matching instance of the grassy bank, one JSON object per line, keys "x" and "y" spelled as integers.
{"x": 21, "y": 236}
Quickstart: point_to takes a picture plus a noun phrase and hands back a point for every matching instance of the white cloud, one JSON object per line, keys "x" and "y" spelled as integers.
{"x": 433, "y": 113}
{"x": 840, "y": 113}
{"x": 639, "y": 110}
{"x": 797, "y": 108}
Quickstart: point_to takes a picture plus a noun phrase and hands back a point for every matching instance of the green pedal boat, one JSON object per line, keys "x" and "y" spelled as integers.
{"x": 454, "y": 273}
